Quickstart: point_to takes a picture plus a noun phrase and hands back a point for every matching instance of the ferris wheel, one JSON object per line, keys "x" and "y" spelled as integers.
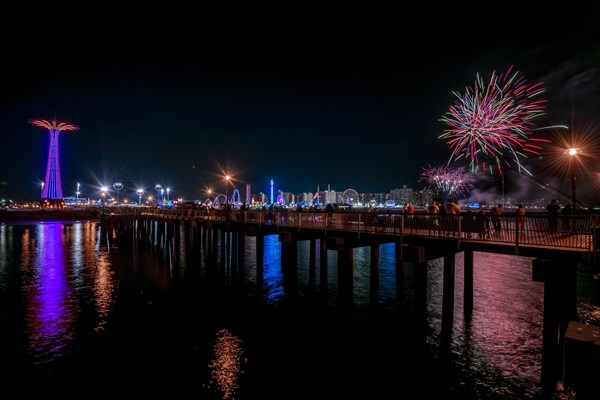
{"x": 350, "y": 197}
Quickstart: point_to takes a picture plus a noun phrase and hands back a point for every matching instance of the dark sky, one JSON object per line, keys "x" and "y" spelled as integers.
{"x": 158, "y": 108}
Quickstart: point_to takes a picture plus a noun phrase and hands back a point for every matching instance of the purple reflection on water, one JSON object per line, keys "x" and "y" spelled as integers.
{"x": 50, "y": 316}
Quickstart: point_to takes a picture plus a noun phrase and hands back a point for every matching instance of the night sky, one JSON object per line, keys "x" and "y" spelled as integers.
{"x": 161, "y": 110}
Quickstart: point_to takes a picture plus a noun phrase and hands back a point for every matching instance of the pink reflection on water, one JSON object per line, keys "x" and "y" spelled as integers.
{"x": 227, "y": 363}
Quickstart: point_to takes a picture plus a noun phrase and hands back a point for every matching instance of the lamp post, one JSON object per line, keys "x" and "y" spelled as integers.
{"x": 573, "y": 152}
{"x": 140, "y": 192}
{"x": 103, "y": 191}
{"x": 77, "y": 194}
{"x": 168, "y": 194}
{"x": 118, "y": 186}
{"x": 227, "y": 179}
{"x": 158, "y": 189}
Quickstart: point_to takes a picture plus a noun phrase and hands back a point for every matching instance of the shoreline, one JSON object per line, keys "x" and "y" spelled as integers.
{"x": 48, "y": 215}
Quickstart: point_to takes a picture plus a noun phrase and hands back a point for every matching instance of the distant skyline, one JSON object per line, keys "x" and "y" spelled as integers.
{"x": 150, "y": 115}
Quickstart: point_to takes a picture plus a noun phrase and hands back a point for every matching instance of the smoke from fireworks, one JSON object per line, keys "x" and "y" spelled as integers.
{"x": 491, "y": 124}
{"x": 451, "y": 182}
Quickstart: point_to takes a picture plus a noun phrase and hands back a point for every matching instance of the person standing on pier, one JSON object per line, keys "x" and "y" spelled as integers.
{"x": 521, "y": 218}
{"x": 552, "y": 210}
{"x": 566, "y": 215}
{"x": 452, "y": 208}
{"x": 496, "y": 221}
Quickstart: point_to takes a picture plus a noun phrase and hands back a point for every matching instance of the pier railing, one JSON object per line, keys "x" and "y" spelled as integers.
{"x": 577, "y": 232}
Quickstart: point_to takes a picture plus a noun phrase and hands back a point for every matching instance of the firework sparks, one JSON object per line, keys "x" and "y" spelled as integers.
{"x": 452, "y": 182}
{"x": 490, "y": 124}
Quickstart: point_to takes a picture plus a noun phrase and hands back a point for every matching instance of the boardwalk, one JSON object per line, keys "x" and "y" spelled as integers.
{"x": 576, "y": 234}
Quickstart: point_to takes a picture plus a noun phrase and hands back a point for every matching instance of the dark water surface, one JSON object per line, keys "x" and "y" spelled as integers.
{"x": 82, "y": 318}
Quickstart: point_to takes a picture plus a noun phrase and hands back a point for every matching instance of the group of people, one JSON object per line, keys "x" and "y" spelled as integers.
{"x": 554, "y": 210}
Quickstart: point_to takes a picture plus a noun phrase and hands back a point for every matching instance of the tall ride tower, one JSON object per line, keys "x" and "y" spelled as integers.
{"x": 52, "y": 183}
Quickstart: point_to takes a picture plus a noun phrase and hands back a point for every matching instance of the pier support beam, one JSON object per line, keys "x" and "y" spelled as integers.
{"x": 260, "y": 262}
{"x": 560, "y": 302}
{"x": 345, "y": 278}
{"x": 398, "y": 250}
{"x": 323, "y": 281}
{"x": 374, "y": 276}
{"x": 312, "y": 265}
{"x": 448, "y": 300}
{"x": 289, "y": 263}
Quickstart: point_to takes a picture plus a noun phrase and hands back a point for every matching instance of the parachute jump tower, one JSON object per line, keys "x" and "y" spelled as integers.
{"x": 52, "y": 189}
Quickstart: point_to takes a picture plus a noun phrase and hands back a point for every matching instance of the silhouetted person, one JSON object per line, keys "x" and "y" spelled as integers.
{"x": 552, "y": 209}
{"x": 496, "y": 221}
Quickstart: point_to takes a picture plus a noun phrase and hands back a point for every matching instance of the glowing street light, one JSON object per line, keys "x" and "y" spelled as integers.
{"x": 77, "y": 194}
{"x": 573, "y": 152}
{"x": 118, "y": 186}
{"x": 168, "y": 194}
{"x": 140, "y": 192}
{"x": 159, "y": 190}
{"x": 227, "y": 179}
{"x": 103, "y": 191}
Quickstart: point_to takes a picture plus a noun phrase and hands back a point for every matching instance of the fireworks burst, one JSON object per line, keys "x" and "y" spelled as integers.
{"x": 452, "y": 182}
{"x": 490, "y": 124}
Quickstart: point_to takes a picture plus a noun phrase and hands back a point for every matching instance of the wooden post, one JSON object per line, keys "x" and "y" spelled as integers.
{"x": 312, "y": 264}
{"x": 374, "y": 275}
{"x": 323, "y": 281}
{"x": 560, "y": 288}
{"x": 448, "y": 301}
{"x": 345, "y": 277}
{"x": 399, "y": 269}
{"x": 289, "y": 264}
{"x": 260, "y": 256}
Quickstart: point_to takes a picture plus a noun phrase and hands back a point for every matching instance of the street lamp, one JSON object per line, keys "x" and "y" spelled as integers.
{"x": 168, "y": 194}
{"x": 573, "y": 152}
{"x": 140, "y": 192}
{"x": 227, "y": 179}
{"x": 103, "y": 191}
{"x": 118, "y": 186}
{"x": 77, "y": 194}
{"x": 158, "y": 189}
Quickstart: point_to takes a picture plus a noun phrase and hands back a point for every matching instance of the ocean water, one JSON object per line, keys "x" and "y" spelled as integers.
{"x": 84, "y": 316}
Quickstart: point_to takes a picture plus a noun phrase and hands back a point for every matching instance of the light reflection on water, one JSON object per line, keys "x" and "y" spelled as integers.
{"x": 69, "y": 283}
{"x": 227, "y": 363}
{"x": 50, "y": 314}
{"x": 62, "y": 274}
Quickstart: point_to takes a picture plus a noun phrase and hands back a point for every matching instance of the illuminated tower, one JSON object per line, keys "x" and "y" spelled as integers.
{"x": 52, "y": 184}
